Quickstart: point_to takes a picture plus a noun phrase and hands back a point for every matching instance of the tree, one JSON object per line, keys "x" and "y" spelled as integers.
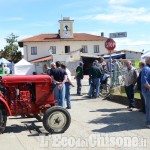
{"x": 11, "y": 51}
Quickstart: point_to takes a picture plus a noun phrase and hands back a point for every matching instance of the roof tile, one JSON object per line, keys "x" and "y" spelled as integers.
{"x": 56, "y": 37}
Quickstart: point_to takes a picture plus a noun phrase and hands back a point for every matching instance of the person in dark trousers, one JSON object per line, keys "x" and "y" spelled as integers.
{"x": 95, "y": 75}
{"x": 130, "y": 81}
{"x": 79, "y": 77}
{"x": 59, "y": 77}
{"x": 68, "y": 85}
{"x": 141, "y": 66}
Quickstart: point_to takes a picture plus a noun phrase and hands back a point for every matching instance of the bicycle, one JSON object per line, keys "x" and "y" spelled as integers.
{"x": 105, "y": 87}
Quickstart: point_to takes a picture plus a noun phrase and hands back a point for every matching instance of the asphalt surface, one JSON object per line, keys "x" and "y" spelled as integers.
{"x": 96, "y": 124}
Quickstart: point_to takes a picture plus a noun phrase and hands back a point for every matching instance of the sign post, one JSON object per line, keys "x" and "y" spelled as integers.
{"x": 110, "y": 45}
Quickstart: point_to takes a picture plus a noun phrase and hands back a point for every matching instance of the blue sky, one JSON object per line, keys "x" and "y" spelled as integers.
{"x": 27, "y": 18}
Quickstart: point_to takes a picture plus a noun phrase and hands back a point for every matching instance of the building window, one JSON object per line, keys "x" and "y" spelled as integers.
{"x": 85, "y": 49}
{"x": 33, "y": 50}
{"x": 96, "y": 48}
{"x": 53, "y": 48}
{"x": 67, "y": 49}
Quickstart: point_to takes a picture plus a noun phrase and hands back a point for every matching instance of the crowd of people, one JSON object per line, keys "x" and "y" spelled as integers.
{"x": 141, "y": 80}
{"x": 99, "y": 72}
{"x": 133, "y": 79}
{"x": 61, "y": 77}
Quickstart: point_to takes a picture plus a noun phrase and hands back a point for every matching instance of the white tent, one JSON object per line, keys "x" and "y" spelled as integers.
{"x": 23, "y": 67}
{"x": 4, "y": 61}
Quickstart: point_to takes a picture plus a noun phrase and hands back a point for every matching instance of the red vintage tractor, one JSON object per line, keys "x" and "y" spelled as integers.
{"x": 32, "y": 95}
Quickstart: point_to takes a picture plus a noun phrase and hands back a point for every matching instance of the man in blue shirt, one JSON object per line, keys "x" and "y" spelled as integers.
{"x": 145, "y": 82}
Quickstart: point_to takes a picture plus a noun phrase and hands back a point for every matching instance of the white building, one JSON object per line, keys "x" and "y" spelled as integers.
{"x": 66, "y": 46}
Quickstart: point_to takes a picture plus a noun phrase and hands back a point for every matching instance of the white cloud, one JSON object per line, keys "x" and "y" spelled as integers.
{"x": 126, "y": 43}
{"x": 88, "y": 17}
{"x": 129, "y": 10}
{"x": 119, "y": 14}
{"x": 118, "y": 1}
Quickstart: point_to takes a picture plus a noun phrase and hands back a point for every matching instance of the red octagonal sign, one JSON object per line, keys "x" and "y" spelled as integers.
{"x": 110, "y": 44}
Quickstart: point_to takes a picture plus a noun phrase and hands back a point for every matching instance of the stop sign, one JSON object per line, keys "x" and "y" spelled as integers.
{"x": 110, "y": 44}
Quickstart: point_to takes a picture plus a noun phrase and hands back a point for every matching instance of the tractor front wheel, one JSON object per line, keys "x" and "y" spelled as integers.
{"x": 3, "y": 118}
{"x": 56, "y": 120}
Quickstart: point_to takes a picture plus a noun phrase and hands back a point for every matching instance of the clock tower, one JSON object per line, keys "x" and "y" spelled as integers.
{"x": 66, "y": 28}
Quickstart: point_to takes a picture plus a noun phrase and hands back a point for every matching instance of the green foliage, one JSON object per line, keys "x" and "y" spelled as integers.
{"x": 11, "y": 50}
{"x": 11, "y": 39}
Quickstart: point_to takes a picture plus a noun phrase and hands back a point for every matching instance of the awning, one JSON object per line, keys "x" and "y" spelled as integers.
{"x": 114, "y": 56}
{"x": 90, "y": 56}
{"x": 42, "y": 59}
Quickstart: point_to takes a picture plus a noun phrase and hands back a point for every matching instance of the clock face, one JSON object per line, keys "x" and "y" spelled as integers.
{"x": 66, "y": 33}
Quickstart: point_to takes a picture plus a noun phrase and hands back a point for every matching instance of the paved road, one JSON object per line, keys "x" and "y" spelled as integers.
{"x": 96, "y": 123}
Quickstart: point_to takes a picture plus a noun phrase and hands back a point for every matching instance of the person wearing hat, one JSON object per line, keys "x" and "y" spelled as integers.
{"x": 79, "y": 77}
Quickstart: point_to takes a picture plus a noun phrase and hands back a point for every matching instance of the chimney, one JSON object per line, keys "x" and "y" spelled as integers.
{"x": 102, "y": 34}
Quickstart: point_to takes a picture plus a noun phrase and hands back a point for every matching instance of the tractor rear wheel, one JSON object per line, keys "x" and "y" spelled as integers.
{"x": 3, "y": 118}
{"x": 56, "y": 120}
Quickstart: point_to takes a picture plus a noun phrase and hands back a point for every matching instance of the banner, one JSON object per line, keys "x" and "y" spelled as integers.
{"x": 136, "y": 64}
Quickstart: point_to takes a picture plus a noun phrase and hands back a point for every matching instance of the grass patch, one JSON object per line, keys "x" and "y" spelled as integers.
{"x": 123, "y": 93}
